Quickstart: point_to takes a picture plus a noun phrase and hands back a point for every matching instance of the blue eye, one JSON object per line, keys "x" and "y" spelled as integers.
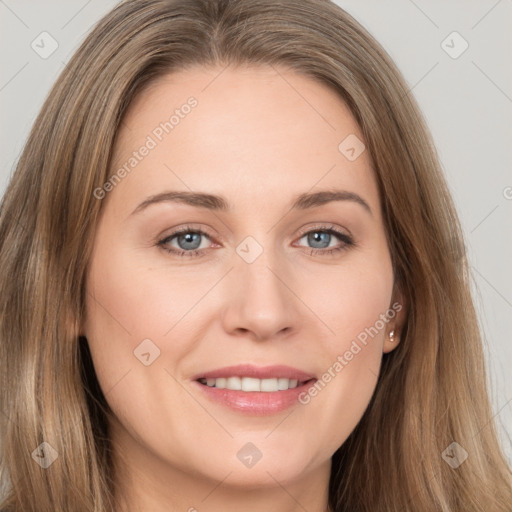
{"x": 321, "y": 237}
{"x": 188, "y": 241}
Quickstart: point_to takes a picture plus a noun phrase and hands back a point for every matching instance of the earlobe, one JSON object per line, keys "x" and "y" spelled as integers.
{"x": 391, "y": 342}
{"x": 393, "y": 334}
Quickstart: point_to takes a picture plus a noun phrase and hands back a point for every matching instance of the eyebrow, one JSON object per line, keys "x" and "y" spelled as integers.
{"x": 220, "y": 203}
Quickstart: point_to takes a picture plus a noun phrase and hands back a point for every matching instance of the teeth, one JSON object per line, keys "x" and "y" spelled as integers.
{"x": 220, "y": 383}
{"x": 234, "y": 383}
{"x": 283, "y": 384}
{"x": 250, "y": 384}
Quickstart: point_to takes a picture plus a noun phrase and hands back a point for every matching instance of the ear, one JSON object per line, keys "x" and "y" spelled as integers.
{"x": 397, "y": 314}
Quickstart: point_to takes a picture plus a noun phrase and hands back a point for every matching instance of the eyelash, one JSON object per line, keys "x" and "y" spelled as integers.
{"x": 347, "y": 240}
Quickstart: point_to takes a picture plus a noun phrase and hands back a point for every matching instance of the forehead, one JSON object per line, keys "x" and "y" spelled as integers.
{"x": 262, "y": 134}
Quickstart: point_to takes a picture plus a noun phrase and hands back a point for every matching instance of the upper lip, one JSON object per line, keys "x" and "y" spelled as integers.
{"x": 257, "y": 372}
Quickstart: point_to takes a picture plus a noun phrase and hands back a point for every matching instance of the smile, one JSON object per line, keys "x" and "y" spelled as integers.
{"x": 253, "y": 390}
{"x": 251, "y": 384}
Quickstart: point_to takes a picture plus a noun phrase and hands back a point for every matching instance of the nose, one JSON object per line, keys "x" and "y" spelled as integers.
{"x": 261, "y": 303}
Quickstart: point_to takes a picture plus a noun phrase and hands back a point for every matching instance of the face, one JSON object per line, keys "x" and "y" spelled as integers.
{"x": 292, "y": 290}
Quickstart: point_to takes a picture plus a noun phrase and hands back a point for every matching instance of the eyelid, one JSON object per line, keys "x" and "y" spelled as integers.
{"x": 324, "y": 227}
{"x": 195, "y": 228}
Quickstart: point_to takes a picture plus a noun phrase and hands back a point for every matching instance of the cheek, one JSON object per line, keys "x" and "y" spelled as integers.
{"x": 136, "y": 299}
{"x": 354, "y": 303}
{"x": 349, "y": 300}
{"x": 136, "y": 307}
{"x": 123, "y": 310}
{"x": 133, "y": 308}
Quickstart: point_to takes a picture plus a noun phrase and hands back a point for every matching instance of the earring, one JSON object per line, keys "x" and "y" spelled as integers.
{"x": 391, "y": 336}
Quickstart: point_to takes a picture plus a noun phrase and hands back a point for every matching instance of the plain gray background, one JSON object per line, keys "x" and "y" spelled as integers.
{"x": 465, "y": 94}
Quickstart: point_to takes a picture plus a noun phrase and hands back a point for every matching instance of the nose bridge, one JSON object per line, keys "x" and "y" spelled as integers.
{"x": 257, "y": 268}
{"x": 260, "y": 301}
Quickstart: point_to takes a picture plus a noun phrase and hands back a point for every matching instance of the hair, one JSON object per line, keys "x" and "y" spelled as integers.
{"x": 432, "y": 389}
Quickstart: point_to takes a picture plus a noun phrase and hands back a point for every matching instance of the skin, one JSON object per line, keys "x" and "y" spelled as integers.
{"x": 259, "y": 136}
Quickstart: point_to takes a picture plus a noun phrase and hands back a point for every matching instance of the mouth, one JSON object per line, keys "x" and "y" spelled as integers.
{"x": 254, "y": 390}
{"x": 251, "y": 384}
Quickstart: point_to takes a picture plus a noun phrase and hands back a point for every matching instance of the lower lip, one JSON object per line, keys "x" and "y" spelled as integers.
{"x": 255, "y": 402}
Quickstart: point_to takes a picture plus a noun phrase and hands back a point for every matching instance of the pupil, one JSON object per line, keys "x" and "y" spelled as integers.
{"x": 189, "y": 239}
{"x": 317, "y": 236}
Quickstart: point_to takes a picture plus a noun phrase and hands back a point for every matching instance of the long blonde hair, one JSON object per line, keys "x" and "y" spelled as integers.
{"x": 432, "y": 389}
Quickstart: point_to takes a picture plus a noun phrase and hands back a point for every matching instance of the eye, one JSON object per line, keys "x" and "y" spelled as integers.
{"x": 188, "y": 241}
{"x": 321, "y": 237}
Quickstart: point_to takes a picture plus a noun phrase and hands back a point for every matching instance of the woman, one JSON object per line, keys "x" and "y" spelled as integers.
{"x": 259, "y": 368}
